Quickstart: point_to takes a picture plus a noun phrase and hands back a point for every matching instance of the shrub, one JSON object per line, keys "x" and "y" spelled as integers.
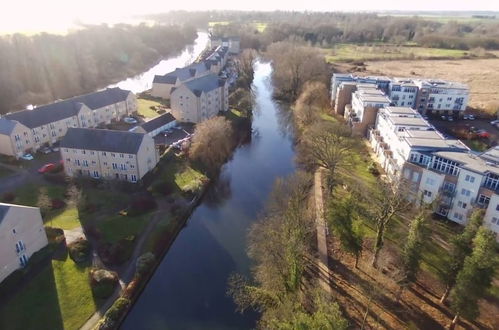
{"x": 57, "y": 168}
{"x": 57, "y": 204}
{"x": 117, "y": 310}
{"x": 103, "y": 282}
{"x": 8, "y": 197}
{"x": 117, "y": 253}
{"x": 373, "y": 169}
{"x": 79, "y": 250}
{"x": 131, "y": 288}
{"x": 144, "y": 264}
{"x": 55, "y": 235}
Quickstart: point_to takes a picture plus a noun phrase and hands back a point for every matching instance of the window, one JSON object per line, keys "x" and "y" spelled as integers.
{"x": 134, "y": 178}
{"x": 469, "y": 178}
{"x": 13, "y": 231}
{"x": 77, "y": 162}
{"x": 85, "y": 162}
{"x": 430, "y": 181}
{"x": 115, "y": 166}
{"x": 445, "y": 165}
{"x": 103, "y": 154}
{"x": 495, "y": 221}
{"x": 461, "y": 204}
{"x": 92, "y": 153}
{"x": 130, "y": 156}
{"x": 83, "y": 152}
{"x": 458, "y": 216}
{"x": 483, "y": 200}
{"x": 68, "y": 160}
{"x": 497, "y": 207}
{"x": 96, "y": 174}
{"x": 122, "y": 156}
{"x": 20, "y": 246}
{"x": 427, "y": 193}
{"x": 415, "y": 177}
{"x": 113, "y": 155}
{"x": 465, "y": 192}
{"x": 449, "y": 186}
{"x": 407, "y": 173}
{"x": 123, "y": 167}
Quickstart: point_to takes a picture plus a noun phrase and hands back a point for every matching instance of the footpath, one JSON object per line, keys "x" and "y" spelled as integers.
{"x": 322, "y": 232}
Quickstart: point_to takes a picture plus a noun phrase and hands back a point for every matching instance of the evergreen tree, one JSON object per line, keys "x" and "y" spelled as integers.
{"x": 461, "y": 247}
{"x": 475, "y": 277}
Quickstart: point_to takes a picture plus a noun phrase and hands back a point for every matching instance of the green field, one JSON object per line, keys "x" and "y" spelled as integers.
{"x": 352, "y": 52}
{"x": 59, "y": 297}
{"x": 144, "y": 108}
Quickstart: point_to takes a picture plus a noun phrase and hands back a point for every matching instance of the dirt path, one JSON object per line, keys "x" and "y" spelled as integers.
{"x": 127, "y": 274}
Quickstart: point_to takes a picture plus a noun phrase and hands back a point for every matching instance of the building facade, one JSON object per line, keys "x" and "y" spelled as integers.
{"x": 21, "y": 234}
{"x": 157, "y": 125}
{"x": 435, "y": 169}
{"x": 29, "y": 130}
{"x": 108, "y": 154}
{"x": 200, "y": 99}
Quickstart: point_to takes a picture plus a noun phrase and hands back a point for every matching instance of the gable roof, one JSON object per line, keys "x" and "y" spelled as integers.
{"x": 7, "y": 126}
{"x": 49, "y": 113}
{"x": 182, "y": 74}
{"x": 157, "y": 122}
{"x": 102, "y": 140}
{"x": 204, "y": 84}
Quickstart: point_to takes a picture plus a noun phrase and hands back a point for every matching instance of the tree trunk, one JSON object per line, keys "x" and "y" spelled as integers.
{"x": 454, "y": 322}
{"x": 446, "y": 294}
{"x": 378, "y": 245}
{"x": 399, "y": 292}
{"x": 366, "y": 313}
{"x": 356, "y": 261}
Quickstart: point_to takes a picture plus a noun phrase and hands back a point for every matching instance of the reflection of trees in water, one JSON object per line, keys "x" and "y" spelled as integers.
{"x": 285, "y": 123}
{"x": 219, "y": 192}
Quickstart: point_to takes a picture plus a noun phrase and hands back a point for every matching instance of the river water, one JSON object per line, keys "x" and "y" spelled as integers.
{"x": 143, "y": 81}
{"x": 188, "y": 290}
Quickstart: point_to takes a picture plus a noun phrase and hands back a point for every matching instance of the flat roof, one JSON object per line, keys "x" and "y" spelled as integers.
{"x": 401, "y": 110}
{"x": 423, "y": 134}
{"x": 436, "y": 143}
{"x": 491, "y": 155}
{"x": 469, "y": 161}
{"x": 411, "y": 121}
{"x": 374, "y": 98}
{"x": 439, "y": 83}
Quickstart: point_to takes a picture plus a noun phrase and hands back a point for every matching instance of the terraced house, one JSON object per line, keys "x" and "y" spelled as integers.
{"x": 435, "y": 169}
{"x": 108, "y": 154}
{"x": 21, "y": 234}
{"x": 27, "y": 130}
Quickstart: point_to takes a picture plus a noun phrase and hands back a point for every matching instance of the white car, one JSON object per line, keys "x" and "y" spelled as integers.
{"x": 27, "y": 157}
{"x": 494, "y": 122}
{"x": 130, "y": 120}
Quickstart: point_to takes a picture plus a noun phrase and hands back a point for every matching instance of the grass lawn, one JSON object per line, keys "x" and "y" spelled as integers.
{"x": 28, "y": 194}
{"x": 162, "y": 229}
{"x": 352, "y": 52}
{"x": 180, "y": 174}
{"x": 477, "y": 145}
{"x": 144, "y": 108}
{"x": 59, "y": 297}
{"x": 212, "y": 24}
{"x": 67, "y": 219}
{"x": 260, "y": 26}
{"x": 116, "y": 227}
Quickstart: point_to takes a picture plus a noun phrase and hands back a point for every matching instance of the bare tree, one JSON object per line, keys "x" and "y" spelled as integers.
{"x": 212, "y": 143}
{"x": 245, "y": 68}
{"x": 328, "y": 145}
{"x": 313, "y": 99}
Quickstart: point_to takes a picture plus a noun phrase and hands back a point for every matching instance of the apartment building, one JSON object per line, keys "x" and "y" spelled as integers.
{"x": 366, "y": 101}
{"x": 199, "y": 99}
{"x": 437, "y": 97}
{"x": 436, "y": 169}
{"x": 427, "y": 96}
{"x": 232, "y": 43}
{"x": 21, "y": 235}
{"x": 162, "y": 85}
{"x": 45, "y": 125}
{"x": 108, "y": 154}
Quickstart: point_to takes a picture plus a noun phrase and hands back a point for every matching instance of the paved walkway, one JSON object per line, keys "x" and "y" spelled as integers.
{"x": 128, "y": 273}
{"x": 322, "y": 262}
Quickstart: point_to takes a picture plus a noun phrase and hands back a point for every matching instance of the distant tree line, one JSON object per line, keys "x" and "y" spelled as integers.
{"x": 42, "y": 68}
{"x": 327, "y": 28}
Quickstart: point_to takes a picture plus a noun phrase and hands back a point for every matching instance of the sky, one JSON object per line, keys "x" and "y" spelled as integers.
{"x": 53, "y": 15}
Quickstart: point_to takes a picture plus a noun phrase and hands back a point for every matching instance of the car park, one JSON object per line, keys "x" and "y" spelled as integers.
{"x": 46, "y": 168}
{"x": 450, "y": 118}
{"x": 27, "y": 157}
{"x": 482, "y": 133}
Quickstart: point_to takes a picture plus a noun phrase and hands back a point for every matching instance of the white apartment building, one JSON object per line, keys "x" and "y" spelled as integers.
{"x": 408, "y": 148}
{"x": 26, "y": 130}
{"x": 199, "y": 99}
{"x": 108, "y": 154}
{"x": 21, "y": 235}
{"x": 366, "y": 101}
{"x": 403, "y": 92}
{"x": 441, "y": 97}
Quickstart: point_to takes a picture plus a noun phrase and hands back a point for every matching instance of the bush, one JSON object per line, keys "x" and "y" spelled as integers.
{"x": 79, "y": 250}
{"x": 131, "y": 288}
{"x": 117, "y": 253}
{"x": 103, "y": 282}
{"x": 57, "y": 168}
{"x": 144, "y": 264}
{"x": 55, "y": 235}
{"x": 57, "y": 204}
{"x": 117, "y": 310}
{"x": 373, "y": 169}
{"x": 8, "y": 197}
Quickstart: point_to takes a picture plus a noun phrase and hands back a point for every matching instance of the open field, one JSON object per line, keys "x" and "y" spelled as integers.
{"x": 482, "y": 75}
{"x": 352, "y": 52}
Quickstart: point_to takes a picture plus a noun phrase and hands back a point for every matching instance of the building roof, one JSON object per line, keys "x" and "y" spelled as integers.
{"x": 183, "y": 74}
{"x": 157, "y": 122}
{"x": 469, "y": 161}
{"x": 102, "y": 140}
{"x": 423, "y": 134}
{"x": 204, "y": 84}
{"x": 375, "y": 96}
{"x": 439, "y": 83}
{"x": 7, "y": 126}
{"x": 491, "y": 155}
{"x": 4, "y": 209}
{"x": 50, "y": 113}
{"x": 437, "y": 144}
{"x": 400, "y": 110}
{"x": 411, "y": 121}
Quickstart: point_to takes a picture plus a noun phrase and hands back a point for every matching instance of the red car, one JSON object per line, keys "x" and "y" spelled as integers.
{"x": 46, "y": 168}
{"x": 483, "y": 133}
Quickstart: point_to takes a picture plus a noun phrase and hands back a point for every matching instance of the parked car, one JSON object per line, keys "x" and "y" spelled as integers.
{"x": 45, "y": 150}
{"x": 482, "y": 133}
{"x": 471, "y": 117}
{"x": 450, "y": 118}
{"x": 46, "y": 168}
{"x": 55, "y": 149}
{"x": 443, "y": 117}
{"x": 494, "y": 122}
{"x": 130, "y": 120}
{"x": 27, "y": 157}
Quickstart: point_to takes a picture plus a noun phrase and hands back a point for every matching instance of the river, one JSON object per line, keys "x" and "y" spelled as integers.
{"x": 188, "y": 290}
{"x": 143, "y": 81}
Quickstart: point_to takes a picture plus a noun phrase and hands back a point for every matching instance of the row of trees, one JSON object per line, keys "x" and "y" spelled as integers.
{"x": 42, "y": 68}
